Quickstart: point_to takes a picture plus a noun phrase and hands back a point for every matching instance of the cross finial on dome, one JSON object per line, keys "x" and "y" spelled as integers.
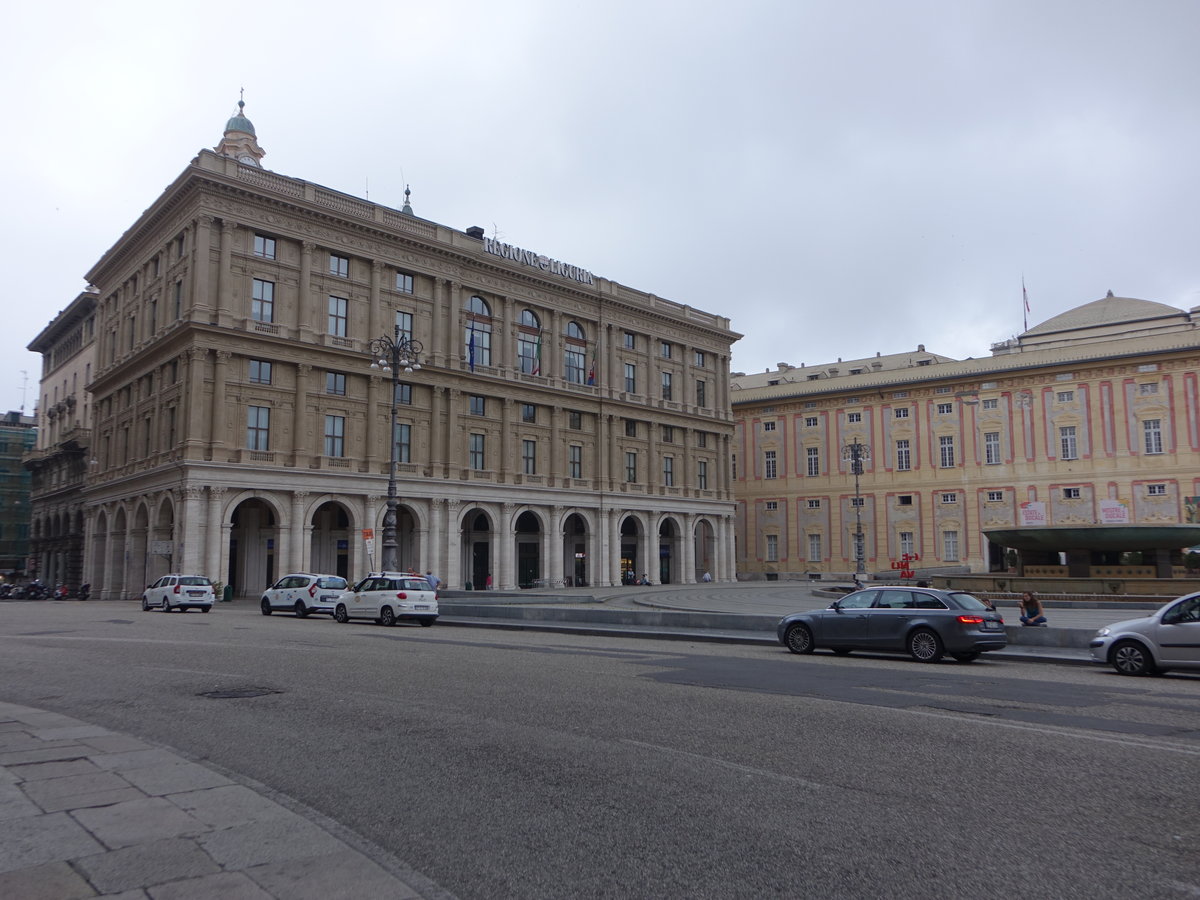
{"x": 407, "y": 208}
{"x": 1110, "y": 293}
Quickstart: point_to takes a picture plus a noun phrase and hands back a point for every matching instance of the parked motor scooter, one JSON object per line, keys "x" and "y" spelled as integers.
{"x": 85, "y": 591}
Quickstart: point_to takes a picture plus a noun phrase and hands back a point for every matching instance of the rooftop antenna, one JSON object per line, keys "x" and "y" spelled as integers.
{"x": 367, "y": 188}
{"x": 24, "y": 388}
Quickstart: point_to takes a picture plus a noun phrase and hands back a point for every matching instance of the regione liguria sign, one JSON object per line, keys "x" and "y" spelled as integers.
{"x": 537, "y": 261}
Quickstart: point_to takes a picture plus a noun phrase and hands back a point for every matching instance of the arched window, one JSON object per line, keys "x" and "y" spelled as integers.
{"x": 477, "y": 335}
{"x": 575, "y": 354}
{"x": 529, "y": 343}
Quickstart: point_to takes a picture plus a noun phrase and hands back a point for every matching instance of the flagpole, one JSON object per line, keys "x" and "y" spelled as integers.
{"x": 1025, "y": 300}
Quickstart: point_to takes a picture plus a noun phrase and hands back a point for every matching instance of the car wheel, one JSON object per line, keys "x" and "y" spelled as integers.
{"x": 966, "y": 656}
{"x": 842, "y": 651}
{"x": 799, "y": 639}
{"x": 1131, "y": 658}
{"x": 925, "y": 646}
{"x": 387, "y": 617}
{"x": 339, "y": 614}
{"x": 145, "y": 604}
{"x": 301, "y": 609}
{"x": 265, "y": 606}
{"x": 205, "y": 608}
{"x": 166, "y": 606}
{"x": 426, "y": 622}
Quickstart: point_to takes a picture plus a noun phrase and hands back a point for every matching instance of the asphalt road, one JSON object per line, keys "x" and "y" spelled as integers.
{"x": 533, "y": 765}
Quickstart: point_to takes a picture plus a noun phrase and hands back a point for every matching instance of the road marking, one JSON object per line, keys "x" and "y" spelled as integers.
{"x": 748, "y": 770}
{"x": 1140, "y": 743}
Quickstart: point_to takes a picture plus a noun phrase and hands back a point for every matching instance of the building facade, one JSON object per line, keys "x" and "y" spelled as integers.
{"x": 562, "y": 428}
{"x": 59, "y": 463}
{"x": 1088, "y": 419}
{"x": 17, "y": 436}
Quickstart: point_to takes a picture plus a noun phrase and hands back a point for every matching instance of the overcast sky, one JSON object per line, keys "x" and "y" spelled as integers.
{"x": 839, "y": 178}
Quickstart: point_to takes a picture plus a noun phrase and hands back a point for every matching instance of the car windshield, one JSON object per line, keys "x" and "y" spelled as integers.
{"x": 968, "y": 601}
{"x": 193, "y": 579}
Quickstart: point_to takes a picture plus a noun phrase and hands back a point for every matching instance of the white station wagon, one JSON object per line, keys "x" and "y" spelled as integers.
{"x": 182, "y": 592}
{"x": 388, "y": 597}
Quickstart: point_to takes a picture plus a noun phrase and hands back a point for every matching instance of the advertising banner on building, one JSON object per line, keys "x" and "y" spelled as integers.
{"x": 1033, "y": 513}
{"x": 1114, "y": 512}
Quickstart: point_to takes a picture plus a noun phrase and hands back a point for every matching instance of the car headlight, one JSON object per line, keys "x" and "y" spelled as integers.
{"x": 1104, "y": 632}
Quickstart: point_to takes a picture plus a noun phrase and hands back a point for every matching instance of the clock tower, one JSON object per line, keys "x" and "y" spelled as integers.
{"x": 239, "y": 140}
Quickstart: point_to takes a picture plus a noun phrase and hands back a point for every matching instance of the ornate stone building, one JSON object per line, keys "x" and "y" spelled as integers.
{"x": 59, "y": 463}
{"x": 563, "y": 428}
{"x": 1090, "y": 418}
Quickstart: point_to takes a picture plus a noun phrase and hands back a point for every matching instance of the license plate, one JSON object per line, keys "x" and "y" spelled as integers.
{"x": 992, "y": 626}
{"x": 195, "y": 593}
{"x": 420, "y": 606}
{"x": 328, "y": 597}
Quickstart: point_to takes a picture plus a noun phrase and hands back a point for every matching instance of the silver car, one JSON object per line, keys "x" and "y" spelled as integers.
{"x": 925, "y": 622}
{"x": 1168, "y": 639}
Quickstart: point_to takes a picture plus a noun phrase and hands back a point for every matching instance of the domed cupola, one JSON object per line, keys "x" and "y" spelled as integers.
{"x": 240, "y": 140}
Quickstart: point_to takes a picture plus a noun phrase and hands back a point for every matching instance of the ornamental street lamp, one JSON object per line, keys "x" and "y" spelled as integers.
{"x": 856, "y": 453}
{"x": 391, "y": 354}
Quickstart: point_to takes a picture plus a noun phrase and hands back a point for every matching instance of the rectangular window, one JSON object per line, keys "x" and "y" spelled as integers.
{"x": 1066, "y": 396}
{"x": 991, "y": 448}
{"x": 1152, "y": 434}
{"x": 900, "y": 412}
{"x": 946, "y": 443}
{"x": 668, "y": 434}
{"x": 575, "y": 461}
{"x": 814, "y": 548}
{"x": 264, "y": 246}
{"x": 949, "y": 546}
{"x": 335, "y": 436}
{"x": 701, "y": 392}
{"x": 178, "y": 299}
{"x": 702, "y": 474}
{"x": 335, "y": 383}
{"x": 339, "y": 266}
{"x": 575, "y": 420}
{"x": 904, "y": 500}
{"x": 477, "y": 344}
{"x": 404, "y": 322}
{"x": 664, "y": 350}
{"x": 404, "y": 394}
{"x": 995, "y": 496}
{"x": 631, "y": 467}
{"x": 813, "y": 458}
{"x": 769, "y": 470}
{"x": 475, "y": 452}
{"x": 666, "y": 385}
{"x": 701, "y": 439}
{"x": 906, "y": 542}
{"x": 339, "y": 308}
{"x": 478, "y": 405}
{"x": 404, "y": 283}
{"x": 991, "y": 403}
{"x": 630, "y": 378}
{"x": 630, "y": 341}
{"x": 810, "y": 421}
{"x": 1156, "y": 490}
{"x": 857, "y": 502}
{"x": 772, "y": 548}
{"x": 529, "y": 457}
{"x": 768, "y": 426}
{"x": 1070, "y": 493}
{"x": 949, "y": 498}
{"x": 403, "y": 439}
{"x": 945, "y": 409}
{"x": 942, "y": 390}
{"x": 1066, "y": 443}
{"x": 1148, "y": 388}
{"x": 733, "y": 466}
{"x": 903, "y": 456}
{"x": 527, "y": 355}
{"x": 698, "y": 359}
{"x": 814, "y": 503}
{"x": 260, "y": 371}
{"x": 854, "y": 417}
{"x": 258, "y": 428}
{"x": 262, "y": 302}
{"x": 574, "y": 365}
{"x": 630, "y": 428}
{"x": 669, "y": 471}
{"x": 528, "y": 413}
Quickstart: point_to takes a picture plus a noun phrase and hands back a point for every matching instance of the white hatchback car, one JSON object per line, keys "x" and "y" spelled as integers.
{"x": 1167, "y": 639}
{"x": 182, "y": 592}
{"x": 303, "y": 593}
{"x": 388, "y": 597}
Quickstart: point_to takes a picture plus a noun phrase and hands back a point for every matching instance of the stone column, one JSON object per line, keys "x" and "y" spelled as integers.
{"x": 555, "y": 469}
{"x": 202, "y": 300}
{"x": 453, "y": 537}
{"x": 304, "y": 295}
{"x": 375, "y": 323}
{"x": 196, "y": 357}
{"x": 225, "y": 275}
{"x": 504, "y": 551}
{"x": 553, "y": 544}
{"x": 295, "y": 560}
{"x": 436, "y": 538}
{"x": 509, "y": 468}
{"x": 369, "y": 562}
{"x": 687, "y": 574}
{"x": 217, "y": 421}
{"x": 190, "y": 530}
{"x": 212, "y": 534}
{"x": 300, "y": 453}
{"x": 437, "y": 433}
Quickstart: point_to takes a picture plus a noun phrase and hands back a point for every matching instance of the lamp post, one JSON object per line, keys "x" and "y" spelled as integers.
{"x": 391, "y": 354}
{"x": 856, "y": 453}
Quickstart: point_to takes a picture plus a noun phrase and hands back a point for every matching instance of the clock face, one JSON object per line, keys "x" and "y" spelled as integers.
{"x": 248, "y": 160}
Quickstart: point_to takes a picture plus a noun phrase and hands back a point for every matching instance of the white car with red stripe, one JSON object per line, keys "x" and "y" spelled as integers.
{"x": 303, "y": 593}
